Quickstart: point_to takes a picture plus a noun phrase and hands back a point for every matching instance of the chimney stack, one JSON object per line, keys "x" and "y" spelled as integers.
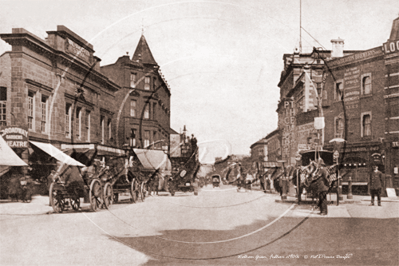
{"x": 337, "y": 48}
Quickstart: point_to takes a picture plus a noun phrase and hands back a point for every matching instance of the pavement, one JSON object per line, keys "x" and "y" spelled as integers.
{"x": 39, "y": 204}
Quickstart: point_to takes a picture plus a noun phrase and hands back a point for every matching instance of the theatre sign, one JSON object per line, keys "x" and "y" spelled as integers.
{"x": 16, "y": 137}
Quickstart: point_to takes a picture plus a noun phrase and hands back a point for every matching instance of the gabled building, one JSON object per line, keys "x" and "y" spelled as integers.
{"x": 143, "y": 102}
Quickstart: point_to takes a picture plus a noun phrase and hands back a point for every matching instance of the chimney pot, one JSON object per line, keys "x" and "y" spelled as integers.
{"x": 337, "y": 48}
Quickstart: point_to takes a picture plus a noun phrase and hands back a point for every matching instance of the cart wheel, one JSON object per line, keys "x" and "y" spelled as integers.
{"x": 57, "y": 201}
{"x": 142, "y": 192}
{"x": 75, "y": 204}
{"x": 133, "y": 191}
{"x": 108, "y": 195}
{"x": 95, "y": 195}
{"x": 116, "y": 197}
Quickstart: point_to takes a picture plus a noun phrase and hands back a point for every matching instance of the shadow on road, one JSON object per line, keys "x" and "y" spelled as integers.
{"x": 326, "y": 241}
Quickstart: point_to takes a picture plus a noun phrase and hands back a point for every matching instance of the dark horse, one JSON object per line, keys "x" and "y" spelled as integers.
{"x": 308, "y": 175}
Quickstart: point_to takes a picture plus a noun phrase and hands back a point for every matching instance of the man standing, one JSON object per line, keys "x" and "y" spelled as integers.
{"x": 375, "y": 185}
{"x": 321, "y": 187}
{"x": 262, "y": 180}
{"x": 74, "y": 182}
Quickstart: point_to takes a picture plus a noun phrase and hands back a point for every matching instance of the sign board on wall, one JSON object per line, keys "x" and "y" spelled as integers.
{"x": 16, "y": 137}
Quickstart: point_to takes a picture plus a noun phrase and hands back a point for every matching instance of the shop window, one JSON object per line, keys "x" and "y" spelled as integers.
{"x": 133, "y": 80}
{"x": 88, "y": 126}
{"x": 3, "y": 106}
{"x": 31, "y": 110}
{"x": 147, "y": 81}
{"x": 133, "y": 104}
{"x": 366, "y": 84}
{"x": 366, "y": 125}
{"x": 68, "y": 109}
{"x": 338, "y": 90}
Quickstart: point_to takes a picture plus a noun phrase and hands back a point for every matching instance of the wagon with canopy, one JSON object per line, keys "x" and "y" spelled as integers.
{"x": 143, "y": 165}
{"x": 102, "y": 167}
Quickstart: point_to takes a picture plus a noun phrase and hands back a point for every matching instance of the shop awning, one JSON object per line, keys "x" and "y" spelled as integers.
{"x": 153, "y": 160}
{"x": 101, "y": 150}
{"x": 8, "y": 157}
{"x": 56, "y": 153}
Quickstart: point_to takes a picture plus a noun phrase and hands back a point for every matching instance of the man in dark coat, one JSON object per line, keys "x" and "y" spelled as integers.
{"x": 74, "y": 182}
{"x": 240, "y": 178}
{"x": 321, "y": 186}
{"x": 375, "y": 184}
{"x": 262, "y": 180}
{"x": 154, "y": 183}
{"x": 14, "y": 185}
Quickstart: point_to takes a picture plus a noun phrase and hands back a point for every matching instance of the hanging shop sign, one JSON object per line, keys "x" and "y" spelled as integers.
{"x": 319, "y": 123}
{"x": 16, "y": 137}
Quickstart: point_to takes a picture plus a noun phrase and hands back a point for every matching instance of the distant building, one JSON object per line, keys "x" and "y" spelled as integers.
{"x": 143, "y": 101}
{"x": 259, "y": 152}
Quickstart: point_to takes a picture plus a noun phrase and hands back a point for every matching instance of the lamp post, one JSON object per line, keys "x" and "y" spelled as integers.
{"x": 337, "y": 143}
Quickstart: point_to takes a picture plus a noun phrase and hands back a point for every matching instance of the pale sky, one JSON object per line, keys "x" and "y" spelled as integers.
{"x": 222, "y": 59}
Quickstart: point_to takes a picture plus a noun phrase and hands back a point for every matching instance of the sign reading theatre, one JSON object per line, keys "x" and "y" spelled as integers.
{"x": 16, "y": 137}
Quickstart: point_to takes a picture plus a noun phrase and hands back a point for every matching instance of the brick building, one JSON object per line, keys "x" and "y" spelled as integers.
{"x": 259, "y": 152}
{"x": 53, "y": 89}
{"x": 143, "y": 101}
{"x": 358, "y": 98}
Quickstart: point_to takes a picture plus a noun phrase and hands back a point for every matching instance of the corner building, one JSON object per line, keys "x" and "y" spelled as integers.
{"x": 53, "y": 89}
{"x": 359, "y": 103}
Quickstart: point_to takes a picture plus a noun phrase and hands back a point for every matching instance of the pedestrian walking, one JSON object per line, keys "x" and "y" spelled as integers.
{"x": 240, "y": 178}
{"x": 262, "y": 180}
{"x": 153, "y": 184}
{"x": 375, "y": 185}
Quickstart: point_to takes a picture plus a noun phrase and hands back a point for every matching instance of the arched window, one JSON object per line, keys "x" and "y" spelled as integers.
{"x": 366, "y": 85}
{"x": 366, "y": 125}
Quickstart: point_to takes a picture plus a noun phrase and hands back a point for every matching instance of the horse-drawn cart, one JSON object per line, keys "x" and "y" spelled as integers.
{"x": 306, "y": 174}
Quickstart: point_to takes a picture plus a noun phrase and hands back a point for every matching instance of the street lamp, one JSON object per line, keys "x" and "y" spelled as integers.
{"x": 337, "y": 143}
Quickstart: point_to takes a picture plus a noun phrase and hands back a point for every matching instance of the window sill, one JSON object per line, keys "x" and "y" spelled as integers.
{"x": 366, "y": 96}
{"x": 366, "y": 138}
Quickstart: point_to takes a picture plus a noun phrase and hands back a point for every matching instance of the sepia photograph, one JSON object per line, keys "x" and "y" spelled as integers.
{"x": 199, "y": 132}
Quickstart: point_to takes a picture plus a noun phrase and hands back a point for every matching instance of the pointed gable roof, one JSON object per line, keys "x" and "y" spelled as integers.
{"x": 143, "y": 53}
